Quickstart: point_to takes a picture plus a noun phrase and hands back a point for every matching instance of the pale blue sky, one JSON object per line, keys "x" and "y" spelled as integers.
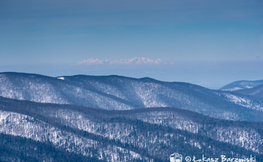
{"x": 206, "y": 39}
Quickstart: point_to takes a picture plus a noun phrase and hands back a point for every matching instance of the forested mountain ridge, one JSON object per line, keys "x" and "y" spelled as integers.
{"x": 256, "y": 91}
{"x": 241, "y": 85}
{"x": 124, "y": 93}
{"x": 40, "y": 131}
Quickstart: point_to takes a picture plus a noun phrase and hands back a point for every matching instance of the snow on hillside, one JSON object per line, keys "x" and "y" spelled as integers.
{"x": 25, "y": 126}
{"x": 123, "y": 93}
{"x": 243, "y": 101}
{"x": 130, "y": 135}
{"x": 246, "y": 138}
{"x": 31, "y": 89}
{"x": 239, "y": 85}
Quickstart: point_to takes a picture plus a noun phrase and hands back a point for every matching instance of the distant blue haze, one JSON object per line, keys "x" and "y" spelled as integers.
{"x": 211, "y": 43}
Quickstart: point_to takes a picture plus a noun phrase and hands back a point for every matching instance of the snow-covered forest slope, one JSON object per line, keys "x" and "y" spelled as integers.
{"x": 31, "y": 131}
{"x": 124, "y": 93}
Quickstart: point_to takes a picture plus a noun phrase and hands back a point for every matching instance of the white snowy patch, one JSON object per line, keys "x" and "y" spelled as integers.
{"x": 61, "y": 78}
{"x": 232, "y": 89}
{"x": 247, "y": 86}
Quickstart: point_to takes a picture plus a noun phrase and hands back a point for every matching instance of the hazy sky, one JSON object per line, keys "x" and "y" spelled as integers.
{"x": 211, "y": 42}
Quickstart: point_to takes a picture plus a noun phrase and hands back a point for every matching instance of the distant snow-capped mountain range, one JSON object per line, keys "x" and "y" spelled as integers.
{"x": 133, "y": 61}
{"x": 124, "y": 93}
